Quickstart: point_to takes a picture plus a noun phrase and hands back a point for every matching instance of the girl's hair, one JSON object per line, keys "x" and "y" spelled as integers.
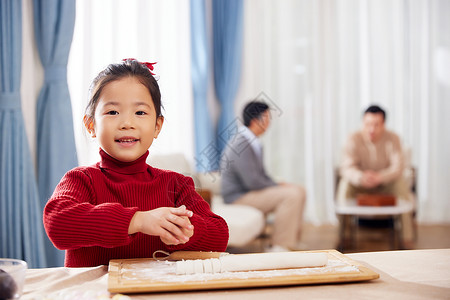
{"x": 113, "y": 72}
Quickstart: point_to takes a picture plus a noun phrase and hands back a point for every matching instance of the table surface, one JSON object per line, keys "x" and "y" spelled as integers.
{"x": 411, "y": 274}
{"x": 351, "y": 208}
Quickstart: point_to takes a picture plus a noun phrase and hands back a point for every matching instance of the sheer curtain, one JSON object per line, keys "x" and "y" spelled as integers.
{"x": 320, "y": 63}
{"x": 106, "y": 32}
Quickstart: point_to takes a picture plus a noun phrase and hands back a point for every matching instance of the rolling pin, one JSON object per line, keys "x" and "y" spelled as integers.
{"x": 187, "y": 255}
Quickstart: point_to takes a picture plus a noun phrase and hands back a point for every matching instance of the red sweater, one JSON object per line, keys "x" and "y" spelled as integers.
{"x": 91, "y": 208}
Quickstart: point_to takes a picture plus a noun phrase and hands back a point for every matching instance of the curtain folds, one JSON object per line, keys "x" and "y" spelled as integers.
{"x": 21, "y": 230}
{"x": 227, "y": 49}
{"x": 56, "y": 153}
{"x": 203, "y": 129}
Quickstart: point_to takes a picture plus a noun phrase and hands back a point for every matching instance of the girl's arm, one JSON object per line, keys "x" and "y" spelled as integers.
{"x": 210, "y": 230}
{"x": 72, "y": 221}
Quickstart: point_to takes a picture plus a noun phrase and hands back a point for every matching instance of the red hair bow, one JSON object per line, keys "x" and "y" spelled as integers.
{"x": 147, "y": 64}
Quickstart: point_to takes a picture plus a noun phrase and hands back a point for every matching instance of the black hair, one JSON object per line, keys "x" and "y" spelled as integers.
{"x": 375, "y": 109}
{"x": 113, "y": 72}
{"x": 253, "y": 110}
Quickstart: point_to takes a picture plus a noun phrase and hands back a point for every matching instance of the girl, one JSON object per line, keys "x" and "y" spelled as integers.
{"x": 121, "y": 207}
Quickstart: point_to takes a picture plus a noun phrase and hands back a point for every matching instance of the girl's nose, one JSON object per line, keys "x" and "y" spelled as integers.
{"x": 127, "y": 123}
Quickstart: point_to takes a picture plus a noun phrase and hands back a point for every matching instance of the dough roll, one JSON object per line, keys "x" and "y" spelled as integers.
{"x": 253, "y": 262}
{"x": 270, "y": 261}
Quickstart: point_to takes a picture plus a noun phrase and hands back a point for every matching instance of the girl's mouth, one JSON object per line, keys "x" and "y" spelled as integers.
{"x": 126, "y": 140}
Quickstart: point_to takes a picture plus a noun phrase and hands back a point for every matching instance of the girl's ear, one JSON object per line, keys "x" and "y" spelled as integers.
{"x": 158, "y": 126}
{"x": 89, "y": 124}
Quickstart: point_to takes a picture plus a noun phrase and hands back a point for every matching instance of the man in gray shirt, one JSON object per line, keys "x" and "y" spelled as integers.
{"x": 245, "y": 181}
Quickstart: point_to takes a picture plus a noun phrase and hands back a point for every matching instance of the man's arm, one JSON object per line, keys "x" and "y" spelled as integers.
{"x": 396, "y": 160}
{"x": 251, "y": 170}
{"x": 350, "y": 169}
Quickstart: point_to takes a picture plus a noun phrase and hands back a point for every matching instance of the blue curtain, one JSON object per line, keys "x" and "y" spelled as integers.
{"x": 204, "y": 131}
{"x": 21, "y": 230}
{"x": 227, "y": 48}
{"x": 54, "y": 22}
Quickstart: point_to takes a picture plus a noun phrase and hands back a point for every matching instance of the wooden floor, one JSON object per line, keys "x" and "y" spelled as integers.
{"x": 429, "y": 236}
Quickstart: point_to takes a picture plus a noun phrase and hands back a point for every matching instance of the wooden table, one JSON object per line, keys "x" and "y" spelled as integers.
{"x": 412, "y": 274}
{"x": 349, "y": 214}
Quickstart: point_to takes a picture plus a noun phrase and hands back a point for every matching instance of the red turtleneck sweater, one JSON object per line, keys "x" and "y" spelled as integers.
{"x": 89, "y": 213}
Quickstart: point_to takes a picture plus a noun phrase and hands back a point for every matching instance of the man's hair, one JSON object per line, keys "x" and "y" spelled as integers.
{"x": 253, "y": 110}
{"x": 375, "y": 109}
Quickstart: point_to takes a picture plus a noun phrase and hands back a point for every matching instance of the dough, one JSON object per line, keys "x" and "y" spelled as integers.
{"x": 252, "y": 262}
{"x": 185, "y": 267}
{"x": 207, "y": 266}
{"x": 269, "y": 261}
{"x": 216, "y": 265}
{"x": 198, "y": 266}
{"x": 181, "y": 267}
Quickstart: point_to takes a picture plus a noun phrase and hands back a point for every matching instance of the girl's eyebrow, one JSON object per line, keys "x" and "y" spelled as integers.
{"x": 111, "y": 103}
{"x": 142, "y": 103}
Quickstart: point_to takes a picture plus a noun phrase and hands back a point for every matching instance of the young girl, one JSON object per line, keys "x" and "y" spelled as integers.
{"x": 121, "y": 207}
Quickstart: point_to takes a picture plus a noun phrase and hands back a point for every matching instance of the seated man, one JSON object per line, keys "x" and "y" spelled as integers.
{"x": 245, "y": 181}
{"x": 373, "y": 163}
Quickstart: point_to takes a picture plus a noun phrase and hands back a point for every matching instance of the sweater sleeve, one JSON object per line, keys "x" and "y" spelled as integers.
{"x": 210, "y": 230}
{"x": 72, "y": 219}
{"x": 396, "y": 160}
{"x": 350, "y": 169}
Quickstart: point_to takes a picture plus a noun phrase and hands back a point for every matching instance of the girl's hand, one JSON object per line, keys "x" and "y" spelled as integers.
{"x": 187, "y": 232}
{"x": 172, "y": 225}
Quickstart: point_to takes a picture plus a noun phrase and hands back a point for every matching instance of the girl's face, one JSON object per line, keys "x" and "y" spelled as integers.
{"x": 125, "y": 121}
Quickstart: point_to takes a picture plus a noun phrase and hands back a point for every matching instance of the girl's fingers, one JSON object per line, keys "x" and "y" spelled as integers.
{"x": 181, "y": 211}
{"x": 182, "y": 222}
{"x": 176, "y": 231}
{"x": 168, "y": 238}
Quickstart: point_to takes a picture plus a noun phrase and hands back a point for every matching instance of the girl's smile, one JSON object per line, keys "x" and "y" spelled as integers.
{"x": 127, "y": 141}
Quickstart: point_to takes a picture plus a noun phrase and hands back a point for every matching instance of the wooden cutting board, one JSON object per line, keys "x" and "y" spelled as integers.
{"x": 145, "y": 275}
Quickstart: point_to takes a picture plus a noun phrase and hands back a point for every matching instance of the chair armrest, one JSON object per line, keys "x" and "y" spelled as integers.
{"x": 206, "y": 194}
{"x": 209, "y": 181}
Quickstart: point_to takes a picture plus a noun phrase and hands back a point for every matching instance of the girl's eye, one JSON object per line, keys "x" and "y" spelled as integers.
{"x": 112, "y": 112}
{"x": 141, "y": 113}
